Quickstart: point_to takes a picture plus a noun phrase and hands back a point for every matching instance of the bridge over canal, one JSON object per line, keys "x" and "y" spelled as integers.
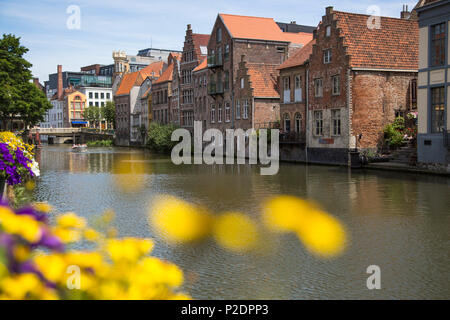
{"x": 70, "y": 135}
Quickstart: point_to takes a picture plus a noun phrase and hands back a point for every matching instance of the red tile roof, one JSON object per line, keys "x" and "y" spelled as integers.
{"x": 167, "y": 75}
{"x": 154, "y": 69}
{"x": 299, "y": 57}
{"x": 127, "y": 83}
{"x": 394, "y": 46}
{"x": 145, "y": 95}
{"x": 203, "y": 65}
{"x": 244, "y": 27}
{"x": 263, "y": 78}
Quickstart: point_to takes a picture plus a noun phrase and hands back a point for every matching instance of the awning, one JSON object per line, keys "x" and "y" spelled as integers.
{"x": 79, "y": 122}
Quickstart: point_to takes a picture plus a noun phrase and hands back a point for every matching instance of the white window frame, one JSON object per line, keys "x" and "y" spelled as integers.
{"x": 318, "y": 89}
{"x": 213, "y": 113}
{"x": 219, "y": 114}
{"x": 298, "y": 89}
{"x": 335, "y": 86}
{"x": 318, "y": 120}
{"x": 287, "y": 89}
{"x": 245, "y": 111}
{"x": 336, "y": 122}
{"x": 238, "y": 109}
{"x": 327, "y": 56}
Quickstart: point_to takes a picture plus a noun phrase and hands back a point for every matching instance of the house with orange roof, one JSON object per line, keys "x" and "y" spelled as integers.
{"x": 293, "y": 75}
{"x": 262, "y": 42}
{"x": 128, "y": 102}
{"x": 342, "y": 89}
{"x": 194, "y": 52}
{"x": 162, "y": 95}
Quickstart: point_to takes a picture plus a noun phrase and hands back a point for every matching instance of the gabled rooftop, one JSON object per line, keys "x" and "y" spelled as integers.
{"x": 258, "y": 28}
{"x": 299, "y": 57}
{"x": 393, "y": 46}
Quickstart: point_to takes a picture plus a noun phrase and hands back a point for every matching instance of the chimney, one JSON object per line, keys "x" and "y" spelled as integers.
{"x": 188, "y": 30}
{"x": 60, "y": 82}
{"x": 36, "y": 82}
{"x": 405, "y": 14}
{"x": 329, "y": 10}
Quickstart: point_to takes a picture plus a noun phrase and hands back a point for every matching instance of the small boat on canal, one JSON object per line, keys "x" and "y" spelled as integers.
{"x": 79, "y": 147}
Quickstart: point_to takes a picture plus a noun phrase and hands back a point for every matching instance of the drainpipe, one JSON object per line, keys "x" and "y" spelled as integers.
{"x": 306, "y": 115}
{"x": 253, "y": 112}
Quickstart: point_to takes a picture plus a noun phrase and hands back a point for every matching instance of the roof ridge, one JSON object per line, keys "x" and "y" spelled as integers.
{"x": 368, "y": 15}
{"x": 239, "y": 15}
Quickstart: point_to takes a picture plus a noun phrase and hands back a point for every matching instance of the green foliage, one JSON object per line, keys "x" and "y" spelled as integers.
{"x": 394, "y": 132}
{"x": 19, "y": 97}
{"x": 100, "y": 143}
{"x": 92, "y": 114}
{"x": 159, "y": 137}
{"x": 22, "y": 196}
{"x": 109, "y": 112}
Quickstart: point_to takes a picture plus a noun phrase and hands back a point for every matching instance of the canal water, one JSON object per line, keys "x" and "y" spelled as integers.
{"x": 397, "y": 221}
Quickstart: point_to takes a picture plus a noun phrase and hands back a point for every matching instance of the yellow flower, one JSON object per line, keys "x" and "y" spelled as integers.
{"x": 323, "y": 234}
{"x": 42, "y": 206}
{"x": 236, "y": 232}
{"x": 66, "y": 235}
{"x": 22, "y": 225}
{"x": 160, "y": 272}
{"x": 52, "y": 266}
{"x": 286, "y": 213}
{"x": 179, "y": 221}
{"x": 128, "y": 249}
{"x": 19, "y": 286}
{"x": 91, "y": 235}
{"x": 71, "y": 220}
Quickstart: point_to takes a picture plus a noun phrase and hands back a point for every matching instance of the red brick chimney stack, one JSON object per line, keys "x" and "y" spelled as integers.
{"x": 60, "y": 82}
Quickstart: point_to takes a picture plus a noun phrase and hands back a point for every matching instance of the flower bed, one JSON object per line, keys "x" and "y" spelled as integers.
{"x": 17, "y": 162}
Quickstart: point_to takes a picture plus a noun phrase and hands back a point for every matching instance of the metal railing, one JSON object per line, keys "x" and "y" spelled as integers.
{"x": 293, "y": 137}
{"x": 215, "y": 60}
{"x": 55, "y": 130}
{"x": 215, "y": 88}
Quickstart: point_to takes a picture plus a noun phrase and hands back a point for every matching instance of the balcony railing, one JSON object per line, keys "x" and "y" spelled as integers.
{"x": 215, "y": 88}
{"x": 293, "y": 137}
{"x": 215, "y": 61}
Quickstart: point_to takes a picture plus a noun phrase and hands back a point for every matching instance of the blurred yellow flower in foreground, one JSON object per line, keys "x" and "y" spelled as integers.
{"x": 322, "y": 234}
{"x": 43, "y": 207}
{"x": 285, "y": 213}
{"x": 21, "y": 225}
{"x": 129, "y": 173}
{"x": 179, "y": 221}
{"x": 236, "y": 232}
{"x": 70, "y": 220}
{"x": 128, "y": 249}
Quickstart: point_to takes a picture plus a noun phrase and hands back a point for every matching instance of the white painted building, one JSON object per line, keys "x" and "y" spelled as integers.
{"x": 54, "y": 116}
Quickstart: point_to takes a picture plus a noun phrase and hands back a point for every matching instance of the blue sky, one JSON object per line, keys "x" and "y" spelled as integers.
{"x": 130, "y": 25}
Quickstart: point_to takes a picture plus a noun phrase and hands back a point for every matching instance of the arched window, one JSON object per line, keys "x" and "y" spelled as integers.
{"x": 287, "y": 122}
{"x": 298, "y": 122}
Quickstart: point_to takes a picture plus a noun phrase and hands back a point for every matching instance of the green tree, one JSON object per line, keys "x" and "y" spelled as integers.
{"x": 159, "y": 137}
{"x": 92, "y": 114}
{"x": 19, "y": 97}
{"x": 109, "y": 112}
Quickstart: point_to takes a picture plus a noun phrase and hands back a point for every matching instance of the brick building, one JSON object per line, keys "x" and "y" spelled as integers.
{"x": 201, "y": 98}
{"x": 262, "y": 42}
{"x": 361, "y": 76}
{"x": 293, "y": 84}
{"x": 127, "y": 97}
{"x": 194, "y": 52}
{"x": 162, "y": 93}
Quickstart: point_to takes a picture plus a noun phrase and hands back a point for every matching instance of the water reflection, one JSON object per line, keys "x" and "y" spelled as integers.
{"x": 397, "y": 221}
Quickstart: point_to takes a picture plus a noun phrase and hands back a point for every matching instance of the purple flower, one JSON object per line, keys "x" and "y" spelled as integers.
{"x": 30, "y": 211}
{"x": 49, "y": 241}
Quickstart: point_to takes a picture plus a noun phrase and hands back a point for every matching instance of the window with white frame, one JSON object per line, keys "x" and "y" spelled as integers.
{"x": 336, "y": 90}
{"x": 327, "y": 56}
{"x": 238, "y": 109}
{"x": 219, "y": 113}
{"x": 318, "y": 87}
{"x": 298, "y": 122}
{"x": 245, "y": 115}
{"x": 336, "y": 122}
{"x": 298, "y": 88}
{"x": 286, "y": 89}
{"x": 318, "y": 122}
{"x": 227, "y": 112}
{"x": 213, "y": 113}
{"x": 328, "y": 31}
